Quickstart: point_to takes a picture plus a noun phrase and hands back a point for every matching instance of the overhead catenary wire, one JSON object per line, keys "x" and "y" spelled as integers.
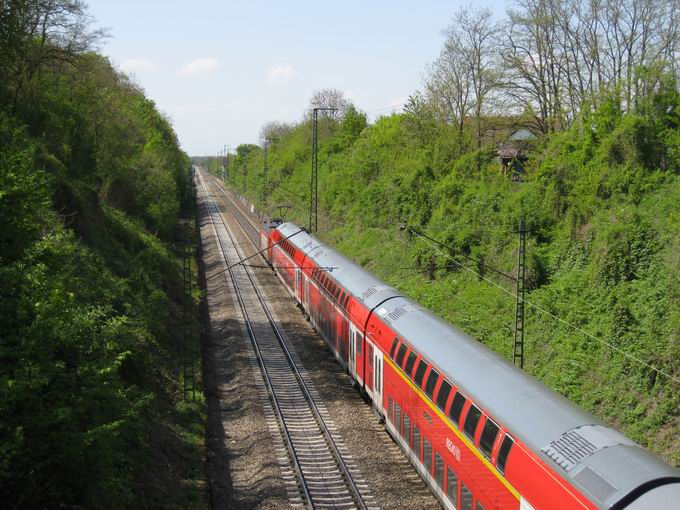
{"x": 552, "y": 315}
{"x": 254, "y": 254}
{"x": 538, "y": 308}
{"x": 458, "y": 252}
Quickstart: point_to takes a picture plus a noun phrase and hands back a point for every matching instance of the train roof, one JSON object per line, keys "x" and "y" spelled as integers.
{"x": 364, "y": 286}
{"x": 574, "y": 442}
{"x": 599, "y": 460}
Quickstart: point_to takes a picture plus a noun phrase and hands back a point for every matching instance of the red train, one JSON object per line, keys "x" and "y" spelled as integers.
{"x": 481, "y": 433}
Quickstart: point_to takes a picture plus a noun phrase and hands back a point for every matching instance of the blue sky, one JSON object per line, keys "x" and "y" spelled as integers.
{"x": 220, "y": 70}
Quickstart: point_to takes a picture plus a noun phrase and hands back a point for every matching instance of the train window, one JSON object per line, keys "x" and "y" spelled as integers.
{"x": 471, "y": 421}
{"x": 397, "y": 417}
{"x": 465, "y": 498}
{"x": 401, "y": 354}
{"x": 390, "y": 408}
{"x": 410, "y": 362}
{"x": 431, "y": 382}
{"x": 489, "y": 433}
{"x": 452, "y": 486}
{"x": 479, "y": 506}
{"x": 456, "y": 407}
{"x": 407, "y": 429}
{"x": 360, "y": 341}
{"x": 420, "y": 372}
{"x": 394, "y": 347}
{"x": 439, "y": 470}
{"x": 416, "y": 440}
{"x": 427, "y": 455}
{"x": 503, "y": 453}
{"x": 443, "y": 394}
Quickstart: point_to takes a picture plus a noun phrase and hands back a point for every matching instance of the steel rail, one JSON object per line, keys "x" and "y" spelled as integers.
{"x": 255, "y": 238}
{"x": 260, "y": 360}
{"x": 323, "y": 427}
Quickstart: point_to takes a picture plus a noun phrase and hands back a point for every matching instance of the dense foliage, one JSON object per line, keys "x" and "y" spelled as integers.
{"x": 92, "y": 183}
{"x": 601, "y": 203}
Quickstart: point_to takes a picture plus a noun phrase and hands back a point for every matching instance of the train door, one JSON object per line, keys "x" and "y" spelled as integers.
{"x": 378, "y": 380}
{"x": 359, "y": 356}
{"x": 352, "y": 352}
{"x": 368, "y": 376}
{"x": 297, "y": 285}
{"x": 354, "y": 349}
{"x": 306, "y": 297}
{"x": 301, "y": 285}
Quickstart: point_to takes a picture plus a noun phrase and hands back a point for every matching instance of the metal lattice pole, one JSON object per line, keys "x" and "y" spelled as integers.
{"x": 264, "y": 177}
{"x": 227, "y": 165}
{"x": 518, "y": 344}
{"x": 314, "y": 180}
{"x": 245, "y": 175}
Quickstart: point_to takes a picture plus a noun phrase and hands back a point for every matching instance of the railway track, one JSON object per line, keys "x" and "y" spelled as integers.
{"x": 244, "y": 222}
{"x": 314, "y": 462}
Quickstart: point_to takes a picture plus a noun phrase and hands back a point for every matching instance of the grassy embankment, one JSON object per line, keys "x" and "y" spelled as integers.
{"x": 93, "y": 192}
{"x": 601, "y": 203}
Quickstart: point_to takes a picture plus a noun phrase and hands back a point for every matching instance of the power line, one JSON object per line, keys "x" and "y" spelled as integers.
{"x": 314, "y": 177}
{"x": 510, "y": 293}
{"x": 477, "y": 261}
{"x": 553, "y": 316}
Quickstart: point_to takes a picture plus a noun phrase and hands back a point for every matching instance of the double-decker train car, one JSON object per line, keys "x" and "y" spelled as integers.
{"x": 482, "y": 434}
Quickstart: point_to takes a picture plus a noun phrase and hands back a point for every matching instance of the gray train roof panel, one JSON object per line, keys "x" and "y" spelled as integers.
{"x": 359, "y": 282}
{"x": 612, "y": 472}
{"x": 302, "y": 239}
{"x": 665, "y": 496}
{"x": 531, "y": 411}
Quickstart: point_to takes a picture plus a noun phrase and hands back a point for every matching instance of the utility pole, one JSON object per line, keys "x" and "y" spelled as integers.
{"x": 224, "y": 170}
{"x": 518, "y": 344}
{"x": 264, "y": 175}
{"x": 227, "y": 165}
{"x": 314, "y": 180}
{"x": 265, "y": 193}
{"x": 245, "y": 174}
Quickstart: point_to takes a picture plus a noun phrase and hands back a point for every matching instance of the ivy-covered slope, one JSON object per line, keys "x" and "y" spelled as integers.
{"x": 600, "y": 201}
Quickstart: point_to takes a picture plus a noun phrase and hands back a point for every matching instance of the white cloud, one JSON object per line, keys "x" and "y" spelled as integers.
{"x": 138, "y": 64}
{"x": 199, "y": 66}
{"x": 280, "y": 72}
